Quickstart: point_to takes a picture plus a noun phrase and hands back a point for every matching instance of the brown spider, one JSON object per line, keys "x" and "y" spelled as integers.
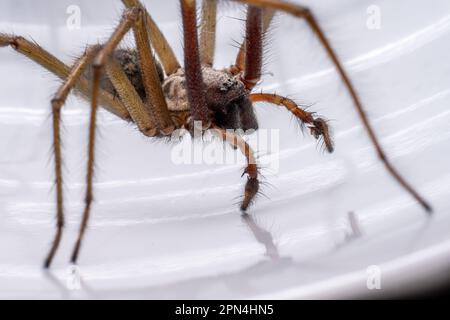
{"x": 161, "y": 96}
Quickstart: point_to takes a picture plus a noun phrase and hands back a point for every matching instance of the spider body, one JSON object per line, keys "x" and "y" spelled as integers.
{"x": 226, "y": 97}
{"x": 148, "y": 87}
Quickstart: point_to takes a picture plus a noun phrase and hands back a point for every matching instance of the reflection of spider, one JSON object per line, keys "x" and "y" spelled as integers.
{"x": 158, "y": 104}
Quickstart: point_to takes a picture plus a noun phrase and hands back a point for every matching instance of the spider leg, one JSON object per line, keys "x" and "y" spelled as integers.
{"x": 317, "y": 126}
{"x": 304, "y": 13}
{"x": 252, "y": 185}
{"x": 239, "y": 65}
{"x": 193, "y": 70}
{"x": 208, "y": 32}
{"x": 132, "y": 102}
{"x": 159, "y": 42}
{"x": 250, "y": 56}
{"x": 37, "y": 54}
{"x": 107, "y": 100}
{"x": 72, "y": 78}
{"x": 57, "y": 103}
{"x": 156, "y": 102}
{"x": 131, "y": 98}
{"x": 129, "y": 18}
{"x": 253, "y": 47}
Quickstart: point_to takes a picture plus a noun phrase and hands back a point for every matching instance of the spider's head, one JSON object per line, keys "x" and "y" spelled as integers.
{"x": 228, "y": 101}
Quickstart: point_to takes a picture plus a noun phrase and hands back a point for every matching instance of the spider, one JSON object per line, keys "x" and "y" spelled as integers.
{"x": 159, "y": 96}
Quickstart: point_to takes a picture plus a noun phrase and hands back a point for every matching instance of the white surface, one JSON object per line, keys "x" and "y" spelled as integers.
{"x": 159, "y": 230}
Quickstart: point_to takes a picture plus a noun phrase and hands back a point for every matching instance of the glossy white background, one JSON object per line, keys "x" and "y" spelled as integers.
{"x": 161, "y": 230}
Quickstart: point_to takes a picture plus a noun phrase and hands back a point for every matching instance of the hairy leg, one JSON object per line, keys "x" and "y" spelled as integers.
{"x": 57, "y": 103}
{"x": 193, "y": 70}
{"x": 316, "y": 125}
{"x": 239, "y": 65}
{"x": 253, "y": 47}
{"x": 156, "y": 102}
{"x": 131, "y": 99}
{"x": 72, "y": 79}
{"x": 135, "y": 107}
{"x": 34, "y": 52}
{"x": 159, "y": 42}
{"x": 208, "y": 32}
{"x": 304, "y": 13}
{"x": 129, "y": 18}
{"x": 252, "y": 185}
{"x": 37, "y": 54}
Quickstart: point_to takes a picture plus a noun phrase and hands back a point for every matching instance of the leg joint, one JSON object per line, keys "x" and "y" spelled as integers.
{"x": 133, "y": 14}
{"x": 8, "y": 40}
{"x": 88, "y": 199}
{"x": 381, "y": 155}
{"x": 251, "y": 170}
{"x": 57, "y": 104}
{"x": 301, "y": 12}
{"x": 60, "y": 223}
{"x": 93, "y": 49}
{"x": 307, "y": 13}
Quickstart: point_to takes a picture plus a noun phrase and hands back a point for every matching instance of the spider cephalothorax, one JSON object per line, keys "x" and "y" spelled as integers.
{"x": 159, "y": 96}
{"x": 226, "y": 97}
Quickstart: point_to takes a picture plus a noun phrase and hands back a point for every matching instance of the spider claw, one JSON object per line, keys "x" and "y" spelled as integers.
{"x": 320, "y": 129}
{"x": 251, "y": 189}
{"x": 245, "y": 172}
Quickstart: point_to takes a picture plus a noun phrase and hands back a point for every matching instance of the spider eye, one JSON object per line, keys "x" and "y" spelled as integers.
{"x": 228, "y": 85}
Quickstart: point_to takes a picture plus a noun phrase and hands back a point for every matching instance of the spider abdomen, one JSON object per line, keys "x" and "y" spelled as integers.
{"x": 129, "y": 60}
{"x": 225, "y": 92}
